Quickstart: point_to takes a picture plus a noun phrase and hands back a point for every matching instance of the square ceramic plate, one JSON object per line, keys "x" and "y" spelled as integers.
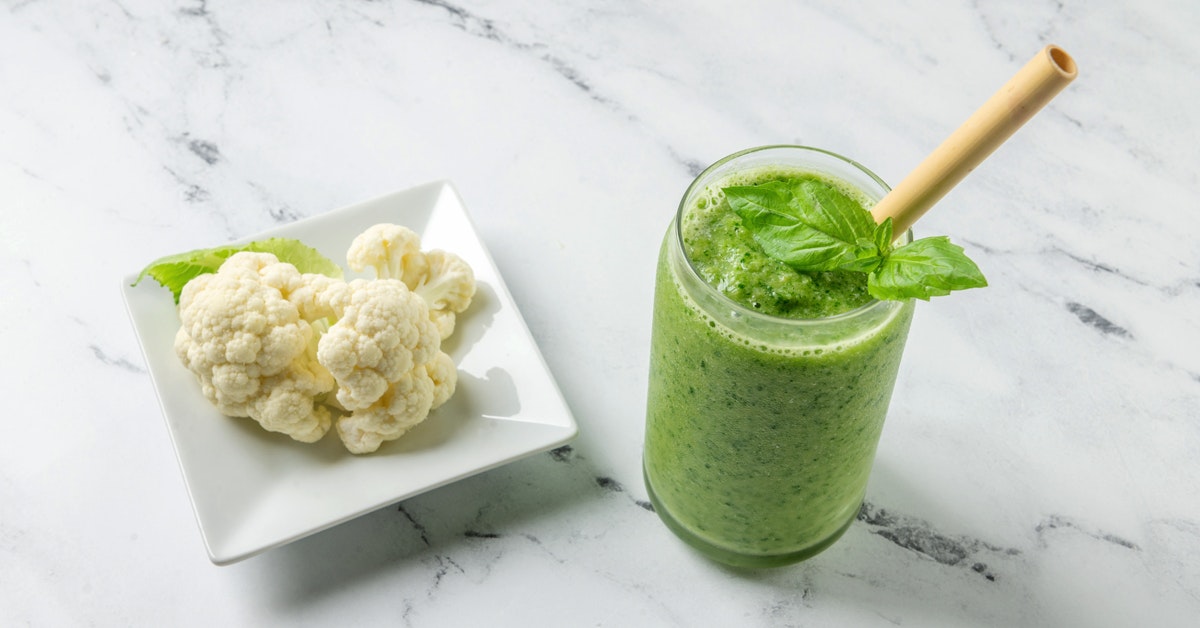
{"x": 253, "y": 490}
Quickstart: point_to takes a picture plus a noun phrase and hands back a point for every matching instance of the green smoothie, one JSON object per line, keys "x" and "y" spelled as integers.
{"x": 768, "y": 387}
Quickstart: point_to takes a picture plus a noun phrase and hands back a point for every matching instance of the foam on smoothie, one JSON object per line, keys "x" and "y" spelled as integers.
{"x": 797, "y": 348}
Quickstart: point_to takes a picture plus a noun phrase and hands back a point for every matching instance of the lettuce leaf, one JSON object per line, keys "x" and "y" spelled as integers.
{"x": 174, "y": 271}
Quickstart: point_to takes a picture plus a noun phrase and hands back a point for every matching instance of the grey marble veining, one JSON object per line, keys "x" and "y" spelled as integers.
{"x": 1041, "y": 459}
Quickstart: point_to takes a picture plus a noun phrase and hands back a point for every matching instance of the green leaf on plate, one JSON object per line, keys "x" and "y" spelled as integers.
{"x": 174, "y": 271}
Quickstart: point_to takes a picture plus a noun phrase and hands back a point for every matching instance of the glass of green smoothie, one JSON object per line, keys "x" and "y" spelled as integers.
{"x": 768, "y": 386}
{"x": 781, "y": 307}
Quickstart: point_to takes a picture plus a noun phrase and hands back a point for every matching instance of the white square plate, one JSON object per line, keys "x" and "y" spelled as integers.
{"x": 253, "y": 490}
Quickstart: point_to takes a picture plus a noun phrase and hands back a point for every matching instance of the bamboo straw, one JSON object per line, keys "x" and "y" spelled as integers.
{"x": 1017, "y": 101}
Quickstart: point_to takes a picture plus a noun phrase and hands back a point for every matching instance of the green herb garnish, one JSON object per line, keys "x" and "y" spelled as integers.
{"x": 174, "y": 271}
{"x": 812, "y": 226}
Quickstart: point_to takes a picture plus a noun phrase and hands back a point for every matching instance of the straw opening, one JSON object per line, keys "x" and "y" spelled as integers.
{"x": 1062, "y": 61}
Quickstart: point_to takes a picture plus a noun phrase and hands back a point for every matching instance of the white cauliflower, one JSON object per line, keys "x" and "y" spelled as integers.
{"x": 382, "y": 332}
{"x": 405, "y": 404}
{"x": 445, "y": 378}
{"x": 271, "y": 343}
{"x": 254, "y": 353}
{"x": 393, "y": 251}
{"x": 385, "y": 354}
{"x": 443, "y": 279}
{"x": 447, "y": 286}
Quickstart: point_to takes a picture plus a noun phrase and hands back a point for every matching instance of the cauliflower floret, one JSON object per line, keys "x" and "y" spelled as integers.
{"x": 445, "y": 378}
{"x": 443, "y": 279}
{"x": 405, "y": 404}
{"x": 447, "y": 287}
{"x": 251, "y": 349}
{"x": 392, "y": 250}
{"x": 318, "y": 298}
{"x": 385, "y": 354}
{"x": 382, "y": 333}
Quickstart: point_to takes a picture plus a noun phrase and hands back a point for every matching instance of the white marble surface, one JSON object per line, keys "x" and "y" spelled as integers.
{"x": 1041, "y": 461}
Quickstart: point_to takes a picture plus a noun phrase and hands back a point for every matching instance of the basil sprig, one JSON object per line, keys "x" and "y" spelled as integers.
{"x": 812, "y": 226}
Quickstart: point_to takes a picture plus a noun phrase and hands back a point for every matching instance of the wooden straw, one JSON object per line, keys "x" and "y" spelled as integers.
{"x": 1017, "y": 101}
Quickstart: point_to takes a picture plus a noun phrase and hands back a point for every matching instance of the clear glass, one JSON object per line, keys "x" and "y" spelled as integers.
{"x": 760, "y": 430}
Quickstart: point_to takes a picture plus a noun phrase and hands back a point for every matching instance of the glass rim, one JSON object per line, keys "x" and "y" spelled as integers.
{"x": 743, "y": 310}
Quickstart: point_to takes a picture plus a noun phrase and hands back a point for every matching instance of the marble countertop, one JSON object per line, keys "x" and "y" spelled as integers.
{"x": 1041, "y": 461}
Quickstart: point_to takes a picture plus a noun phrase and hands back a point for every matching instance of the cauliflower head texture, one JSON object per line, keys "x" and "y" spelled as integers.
{"x": 251, "y": 349}
{"x": 300, "y": 352}
{"x": 444, "y": 280}
{"x": 393, "y": 251}
{"x": 404, "y": 405}
{"x": 383, "y": 331}
{"x": 385, "y": 354}
{"x": 448, "y": 286}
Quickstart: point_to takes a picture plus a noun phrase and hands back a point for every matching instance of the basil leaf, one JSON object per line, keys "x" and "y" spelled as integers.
{"x": 924, "y": 268}
{"x": 809, "y": 226}
{"x": 766, "y": 203}
{"x": 813, "y": 226}
{"x": 884, "y": 236}
{"x": 829, "y": 210}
